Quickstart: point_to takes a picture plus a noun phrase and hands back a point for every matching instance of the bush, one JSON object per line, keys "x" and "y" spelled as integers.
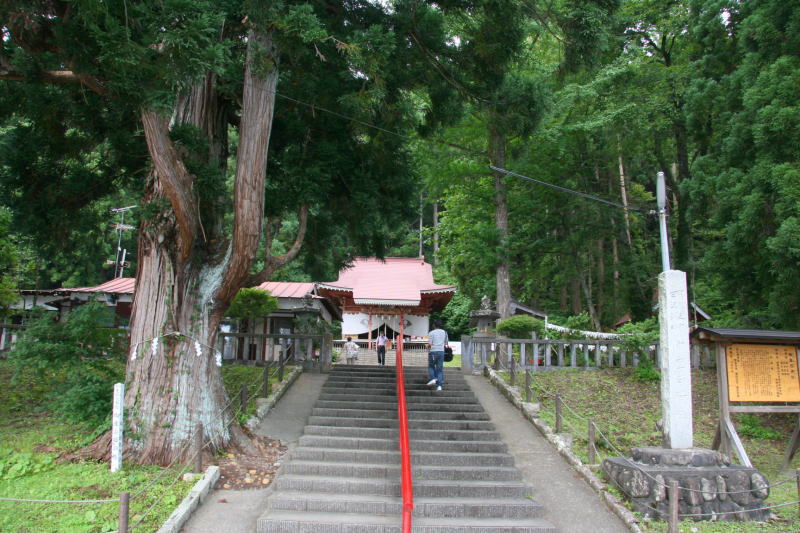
{"x": 252, "y": 303}
{"x": 76, "y": 360}
{"x": 751, "y": 426}
{"x": 520, "y": 327}
{"x": 646, "y": 371}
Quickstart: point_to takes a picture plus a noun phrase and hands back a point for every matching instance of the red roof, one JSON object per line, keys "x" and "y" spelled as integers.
{"x": 115, "y": 286}
{"x": 286, "y": 289}
{"x": 393, "y": 281}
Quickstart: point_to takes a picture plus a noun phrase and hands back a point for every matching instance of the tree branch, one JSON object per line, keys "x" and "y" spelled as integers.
{"x": 258, "y": 105}
{"x": 271, "y": 264}
{"x": 174, "y": 178}
{"x": 55, "y": 76}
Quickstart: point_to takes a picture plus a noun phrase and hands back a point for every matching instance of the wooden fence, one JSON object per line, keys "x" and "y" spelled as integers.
{"x": 272, "y": 349}
{"x": 544, "y": 354}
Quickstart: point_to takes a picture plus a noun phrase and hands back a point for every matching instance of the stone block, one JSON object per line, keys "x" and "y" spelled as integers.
{"x": 719, "y": 492}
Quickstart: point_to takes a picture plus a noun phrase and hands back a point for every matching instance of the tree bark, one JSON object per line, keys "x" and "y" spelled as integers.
{"x": 497, "y": 154}
{"x": 183, "y": 287}
{"x": 623, "y": 189}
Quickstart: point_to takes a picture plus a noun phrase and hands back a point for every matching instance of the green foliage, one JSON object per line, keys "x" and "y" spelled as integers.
{"x": 751, "y": 426}
{"x": 20, "y": 464}
{"x": 252, "y": 303}
{"x": 646, "y": 371}
{"x": 520, "y": 327}
{"x": 77, "y": 360}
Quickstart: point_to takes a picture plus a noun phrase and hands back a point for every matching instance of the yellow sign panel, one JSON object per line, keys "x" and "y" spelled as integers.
{"x": 762, "y": 373}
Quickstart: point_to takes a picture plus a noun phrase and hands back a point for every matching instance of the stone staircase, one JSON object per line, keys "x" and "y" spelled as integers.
{"x": 344, "y": 474}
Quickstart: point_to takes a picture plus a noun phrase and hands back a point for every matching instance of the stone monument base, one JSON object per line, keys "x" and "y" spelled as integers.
{"x": 710, "y": 487}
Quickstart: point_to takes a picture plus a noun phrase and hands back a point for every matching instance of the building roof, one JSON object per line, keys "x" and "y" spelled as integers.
{"x": 115, "y": 286}
{"x": 396, "y": 281}
{"x": 287, "y": 289}
{"x": 764, "y": 336}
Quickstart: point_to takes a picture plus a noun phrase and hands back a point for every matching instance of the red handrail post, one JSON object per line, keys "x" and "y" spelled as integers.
{"x": 405, "y": 451}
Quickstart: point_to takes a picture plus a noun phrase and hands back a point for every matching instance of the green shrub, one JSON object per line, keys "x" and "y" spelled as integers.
{"x": 520, "y": 327}
{"x": 252, "y": 303}
{"x": 646, "y": 371}
{"x": 751, "y": 426}
{"x": 75, "y": 360}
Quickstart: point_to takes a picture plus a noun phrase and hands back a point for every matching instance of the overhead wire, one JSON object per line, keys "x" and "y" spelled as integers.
{"x": 473, "y": 152}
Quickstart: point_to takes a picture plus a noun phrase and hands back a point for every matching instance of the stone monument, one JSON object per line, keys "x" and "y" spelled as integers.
{"x": 710, "y": 487}
{"x": 484, "y": 319}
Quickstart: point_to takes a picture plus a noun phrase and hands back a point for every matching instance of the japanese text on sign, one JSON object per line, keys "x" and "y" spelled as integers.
{"x": 762, "y": 373}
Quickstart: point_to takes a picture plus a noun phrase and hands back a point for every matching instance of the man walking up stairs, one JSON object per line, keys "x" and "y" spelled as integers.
{"x": 344, "y": 474}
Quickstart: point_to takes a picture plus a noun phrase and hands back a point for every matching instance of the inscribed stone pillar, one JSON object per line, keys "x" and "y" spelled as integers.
{"x": 676, "y": 376}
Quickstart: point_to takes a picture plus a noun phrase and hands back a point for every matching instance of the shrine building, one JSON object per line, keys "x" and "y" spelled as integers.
{"x": 374, "y": 294}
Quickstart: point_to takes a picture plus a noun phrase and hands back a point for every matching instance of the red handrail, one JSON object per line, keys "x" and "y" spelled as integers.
{"x": 405, "y": 451}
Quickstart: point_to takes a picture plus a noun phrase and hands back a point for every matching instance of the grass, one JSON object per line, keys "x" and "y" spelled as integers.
{"x": 625, "y": 410}
{"x": 31, "y": 439}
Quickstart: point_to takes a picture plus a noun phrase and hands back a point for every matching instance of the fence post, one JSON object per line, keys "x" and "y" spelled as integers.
{"x": 797, "y": 475}
{"x": 281, "y": 361}
{"x": 124, "y": 500}
{"x": 674, "y": 505}
{"x": 585, "y": 355}
{"x": 198, "y": 449}
{"x": 573, "y": 357}
{"x": 512, "y": 368}
{"x": 623, "y": 357}
{"x": 610, "y": 349}
{"x": 598, "y": 359}
{"x": 266, "y": 379}
{"x": 592, "y": 448}
{"x": 560, "y": 355}
{"x": 559, "y": 420}
{"x": 243, "y": 399}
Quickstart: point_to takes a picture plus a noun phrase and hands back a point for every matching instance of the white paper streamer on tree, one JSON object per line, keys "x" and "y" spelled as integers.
{"x": 198, "y": 349}
{"x": 154, "y": 347}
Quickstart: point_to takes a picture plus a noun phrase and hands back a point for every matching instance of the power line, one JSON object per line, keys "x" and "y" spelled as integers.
{"x": 471, "y": 152}
{"x": 379, "y": 128}
{"x": 571, "y": 191}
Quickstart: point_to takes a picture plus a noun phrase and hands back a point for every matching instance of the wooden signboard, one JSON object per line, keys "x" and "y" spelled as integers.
{"x": 762, "y": 373}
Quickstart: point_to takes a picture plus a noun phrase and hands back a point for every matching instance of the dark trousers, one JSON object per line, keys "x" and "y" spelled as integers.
{"x": 382, "y": 355}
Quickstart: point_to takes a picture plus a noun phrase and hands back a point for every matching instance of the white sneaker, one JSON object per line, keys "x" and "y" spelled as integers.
{"x": 439, "y": 388}
{"x": 431, "y": 382}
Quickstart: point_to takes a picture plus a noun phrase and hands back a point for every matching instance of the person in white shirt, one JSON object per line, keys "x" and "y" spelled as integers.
{"x": 437, "y": 340}
{"x": 382, "y": 348}
{"x": 350, "y": 349}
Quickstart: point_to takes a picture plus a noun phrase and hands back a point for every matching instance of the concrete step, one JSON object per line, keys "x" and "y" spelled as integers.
{"x": 421, "y": 472}
{"x": 422, "y": 390}
{"x": 392, "y": 433}
{"x": 440, "y": 404}
{"x": 416, "y": 385}
{"x": 429, "y": 395}
{"x": 392, "y": 414}
{"x": 438, "y": 458}
{"x": 412, "y": 424}
{"x": 471, "y": 446}
{"x": 318, "y": 502}
{"x": 291, "y": 522}
{"x": 434, "y": 487}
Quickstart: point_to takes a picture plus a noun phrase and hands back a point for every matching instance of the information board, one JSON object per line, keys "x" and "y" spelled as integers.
{"x": 762, "y": 373}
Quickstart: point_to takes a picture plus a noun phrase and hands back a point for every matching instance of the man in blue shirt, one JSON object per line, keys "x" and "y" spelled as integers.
{"x": 437, "y": 340}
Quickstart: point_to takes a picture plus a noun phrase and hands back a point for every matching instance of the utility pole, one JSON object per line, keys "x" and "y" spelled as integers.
{"x": 119, "y": 260}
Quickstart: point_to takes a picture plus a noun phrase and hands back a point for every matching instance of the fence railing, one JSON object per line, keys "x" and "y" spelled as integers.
{"x": 542, "y": 354}
{"x": 274, "y": 349}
